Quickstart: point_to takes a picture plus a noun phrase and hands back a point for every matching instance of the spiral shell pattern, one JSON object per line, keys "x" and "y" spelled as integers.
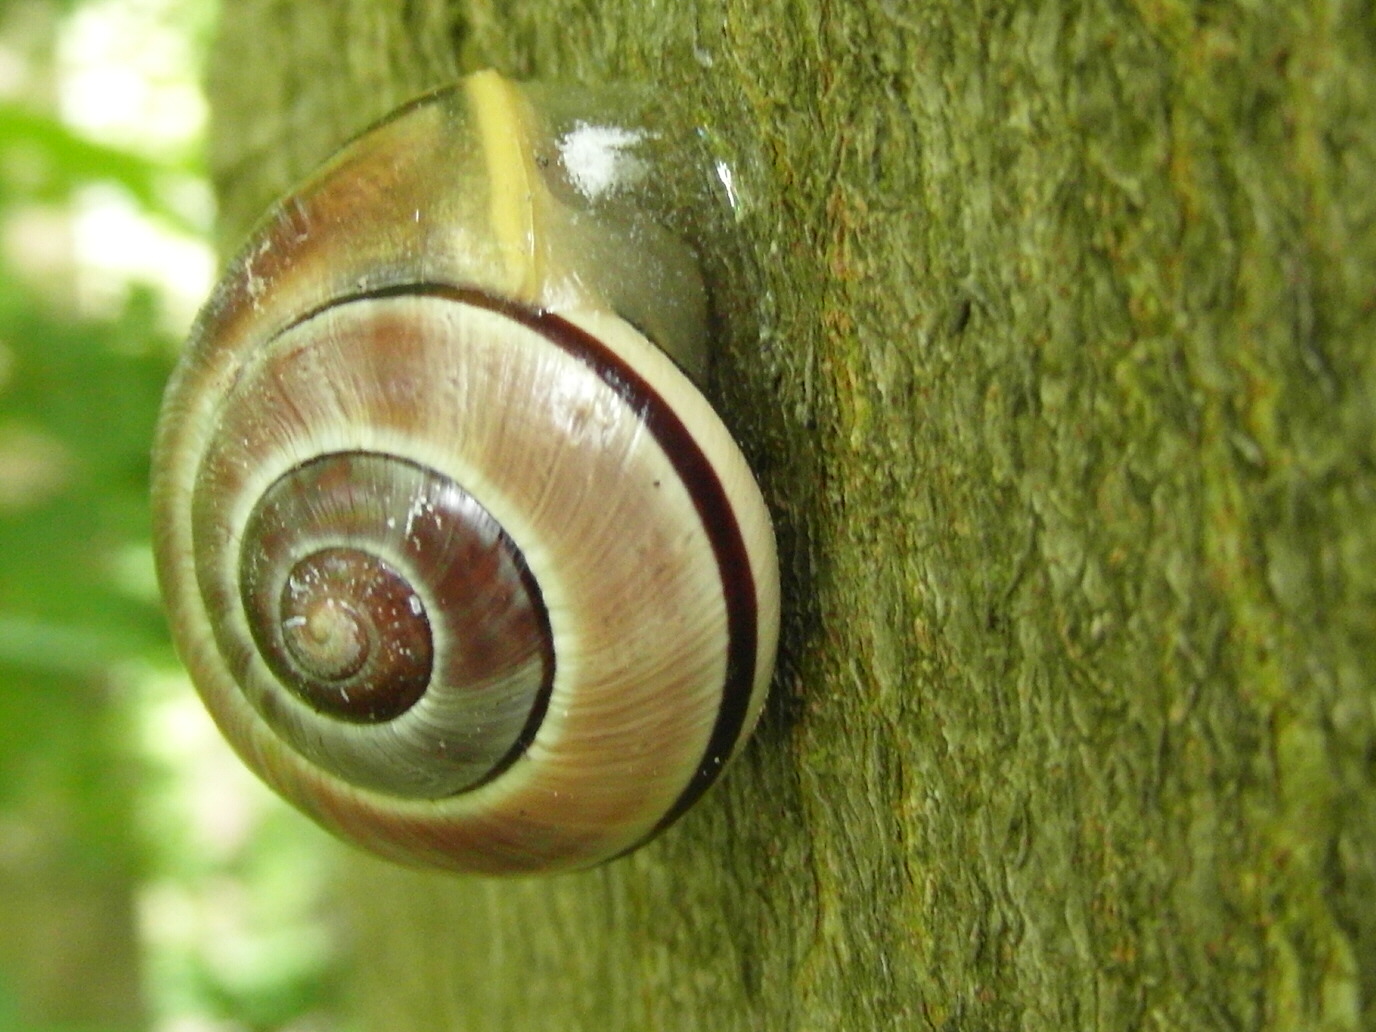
{"x": 461, "y": 563}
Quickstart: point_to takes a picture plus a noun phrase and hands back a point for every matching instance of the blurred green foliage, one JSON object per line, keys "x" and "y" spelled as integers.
{"x": 78, "y": 401}
{"x": 45, "y": 161}
{"x": 95, "y": 842}
{"x": 89, "y": 391}
{"x": 94, "y": 828}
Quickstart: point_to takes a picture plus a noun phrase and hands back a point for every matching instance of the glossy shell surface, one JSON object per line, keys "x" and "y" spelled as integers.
{"x": 462, "y": 564}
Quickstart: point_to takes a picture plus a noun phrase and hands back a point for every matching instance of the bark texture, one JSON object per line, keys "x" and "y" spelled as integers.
{"x": 1064, "y": 406}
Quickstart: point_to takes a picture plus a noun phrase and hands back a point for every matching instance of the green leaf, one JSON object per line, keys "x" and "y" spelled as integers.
{"x": 43, "y": 159}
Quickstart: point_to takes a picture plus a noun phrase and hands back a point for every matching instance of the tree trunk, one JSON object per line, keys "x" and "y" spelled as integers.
{"x": 1065, "y": 409}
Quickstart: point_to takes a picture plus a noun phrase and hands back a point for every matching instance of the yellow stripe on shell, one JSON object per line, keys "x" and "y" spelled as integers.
{"x": 504, "y": 133}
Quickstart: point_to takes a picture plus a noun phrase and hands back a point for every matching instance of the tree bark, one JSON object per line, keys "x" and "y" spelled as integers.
{"x": 1064, "y": 406}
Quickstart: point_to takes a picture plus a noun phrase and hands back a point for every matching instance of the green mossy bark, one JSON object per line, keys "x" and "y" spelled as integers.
{"x": 1065, "y": 408}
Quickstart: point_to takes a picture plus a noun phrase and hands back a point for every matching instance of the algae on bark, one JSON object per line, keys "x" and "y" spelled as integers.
{"x": 1064, "y": 405}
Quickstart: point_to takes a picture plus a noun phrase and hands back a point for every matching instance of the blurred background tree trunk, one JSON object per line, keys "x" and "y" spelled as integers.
{"x": 1065, "y": 409}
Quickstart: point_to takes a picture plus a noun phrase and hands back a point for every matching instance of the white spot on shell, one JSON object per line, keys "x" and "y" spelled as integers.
{"x": 597, "y": 158}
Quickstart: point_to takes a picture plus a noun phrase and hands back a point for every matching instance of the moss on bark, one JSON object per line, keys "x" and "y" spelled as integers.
{"x": 1065, "y": 408}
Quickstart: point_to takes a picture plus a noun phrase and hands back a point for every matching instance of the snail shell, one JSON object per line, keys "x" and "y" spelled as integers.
{"x": 461, "y": 563}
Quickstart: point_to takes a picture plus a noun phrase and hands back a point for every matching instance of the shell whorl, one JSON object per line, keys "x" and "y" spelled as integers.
{"x": 379, "y": 592}
{"x": 460, "y": 562}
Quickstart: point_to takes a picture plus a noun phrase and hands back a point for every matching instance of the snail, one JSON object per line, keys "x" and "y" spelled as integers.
{"x": 459, "y": 558}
